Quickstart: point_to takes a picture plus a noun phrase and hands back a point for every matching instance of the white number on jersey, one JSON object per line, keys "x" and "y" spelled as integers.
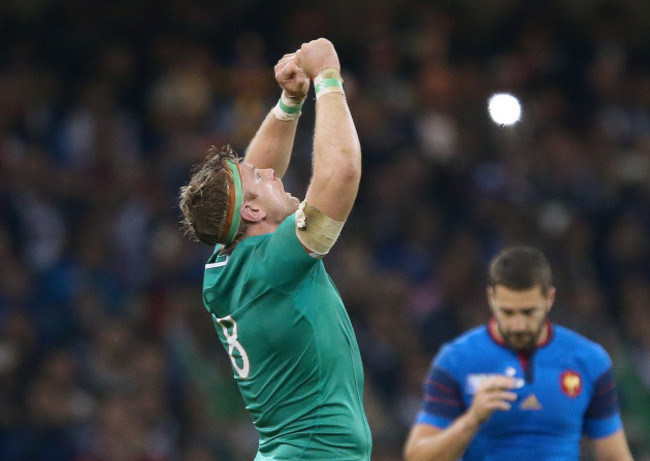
{"x": 228, "y": 323}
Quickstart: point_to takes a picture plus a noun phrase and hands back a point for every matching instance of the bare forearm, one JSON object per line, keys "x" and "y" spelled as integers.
{"x": 335, "y": 139}
{"x": 336, "y": 158}
{"x": 613, "y": 448}
{"x": 447, "y": 445}
{"x": 272, "y": 145}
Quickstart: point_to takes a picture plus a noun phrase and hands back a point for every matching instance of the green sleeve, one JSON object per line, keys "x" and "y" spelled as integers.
{"x": 285, "y": 259}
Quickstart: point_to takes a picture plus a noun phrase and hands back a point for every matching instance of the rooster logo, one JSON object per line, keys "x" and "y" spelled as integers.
{"x": 571, "y": 383}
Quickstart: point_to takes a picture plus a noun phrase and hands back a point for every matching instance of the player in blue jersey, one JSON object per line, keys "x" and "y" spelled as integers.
{"x": 277, "y": 313}
{"x": 519, "y": 387}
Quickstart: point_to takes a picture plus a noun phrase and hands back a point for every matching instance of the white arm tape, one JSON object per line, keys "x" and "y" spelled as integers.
{"x": 316, "y": 231}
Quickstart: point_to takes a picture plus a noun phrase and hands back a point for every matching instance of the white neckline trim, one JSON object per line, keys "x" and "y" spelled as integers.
{"x": 218, "y": 264}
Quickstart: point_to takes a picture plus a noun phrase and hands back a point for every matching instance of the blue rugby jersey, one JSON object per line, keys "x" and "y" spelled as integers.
{"x": 569, "y": 391}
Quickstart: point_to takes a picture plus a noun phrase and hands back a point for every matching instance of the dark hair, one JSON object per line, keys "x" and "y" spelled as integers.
{"x": 205, "y": 201}
{"x": 520, "y": 268}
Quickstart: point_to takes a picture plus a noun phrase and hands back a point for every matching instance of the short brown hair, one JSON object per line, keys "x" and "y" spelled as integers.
{"x": 205, "y": 200}
{"x": 520, "y": 268}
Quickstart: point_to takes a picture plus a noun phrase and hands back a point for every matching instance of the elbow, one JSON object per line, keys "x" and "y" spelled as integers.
{"x": 339, "y": 171}
{"x": 350, "y": 167}
{"x": 349, "y": 176}
{"x": 409, "y": 453}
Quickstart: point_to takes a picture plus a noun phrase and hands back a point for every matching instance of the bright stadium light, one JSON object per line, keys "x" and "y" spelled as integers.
{"x": 504, "y": 109}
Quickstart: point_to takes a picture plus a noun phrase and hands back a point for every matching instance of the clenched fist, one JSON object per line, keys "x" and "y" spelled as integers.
{"x": 317, "y": 55}
{"x": 291, "y": 77}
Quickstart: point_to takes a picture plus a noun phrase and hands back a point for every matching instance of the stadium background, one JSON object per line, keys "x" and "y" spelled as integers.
{"x": 106, "y": 352}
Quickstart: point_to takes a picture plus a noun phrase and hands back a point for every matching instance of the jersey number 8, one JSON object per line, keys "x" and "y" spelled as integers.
{"x": 229, "y": 327}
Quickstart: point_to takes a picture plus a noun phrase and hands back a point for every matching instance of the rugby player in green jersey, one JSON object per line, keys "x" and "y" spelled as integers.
{"x": 279, "y": 316}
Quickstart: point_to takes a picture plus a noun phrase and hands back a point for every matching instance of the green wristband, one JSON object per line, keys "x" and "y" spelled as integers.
{"x": 289, "y": 109}
{"x": 328, "y": 83}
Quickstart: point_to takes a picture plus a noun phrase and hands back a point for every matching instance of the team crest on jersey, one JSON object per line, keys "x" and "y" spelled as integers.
{"x": 571, "y": 383}
{"x": 530, "y": 403}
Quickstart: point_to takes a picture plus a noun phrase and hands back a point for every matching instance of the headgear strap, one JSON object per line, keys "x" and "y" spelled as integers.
{"x": 236, "y": 193}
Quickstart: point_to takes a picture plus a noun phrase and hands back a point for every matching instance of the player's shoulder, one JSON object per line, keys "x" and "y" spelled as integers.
{"x": 570, "y": 340}
{"x": 471, "y": 338}
{"x": 568, "y": 336}
{"x": 465, "y": 346}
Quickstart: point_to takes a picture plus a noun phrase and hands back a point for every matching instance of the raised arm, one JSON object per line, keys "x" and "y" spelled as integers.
{"x": 337, "y": 153}
{"x": 272, "y": 144}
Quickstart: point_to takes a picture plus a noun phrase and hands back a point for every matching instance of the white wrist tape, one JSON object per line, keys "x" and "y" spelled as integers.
{"x": 328, "y": 81}
{"x": 287, "y": 109}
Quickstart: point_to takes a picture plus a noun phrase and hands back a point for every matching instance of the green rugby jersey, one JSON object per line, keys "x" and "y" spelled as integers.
{"x": 292, "y": 347}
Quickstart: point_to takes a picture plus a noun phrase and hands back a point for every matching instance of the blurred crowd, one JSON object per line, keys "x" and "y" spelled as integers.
{"x": 106, "y": 352}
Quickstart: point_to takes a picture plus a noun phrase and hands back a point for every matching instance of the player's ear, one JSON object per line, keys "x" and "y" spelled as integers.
{"x": 550, "y": 298}
{"x": 489, "y": 292}
{"x": 251, "y": 212}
